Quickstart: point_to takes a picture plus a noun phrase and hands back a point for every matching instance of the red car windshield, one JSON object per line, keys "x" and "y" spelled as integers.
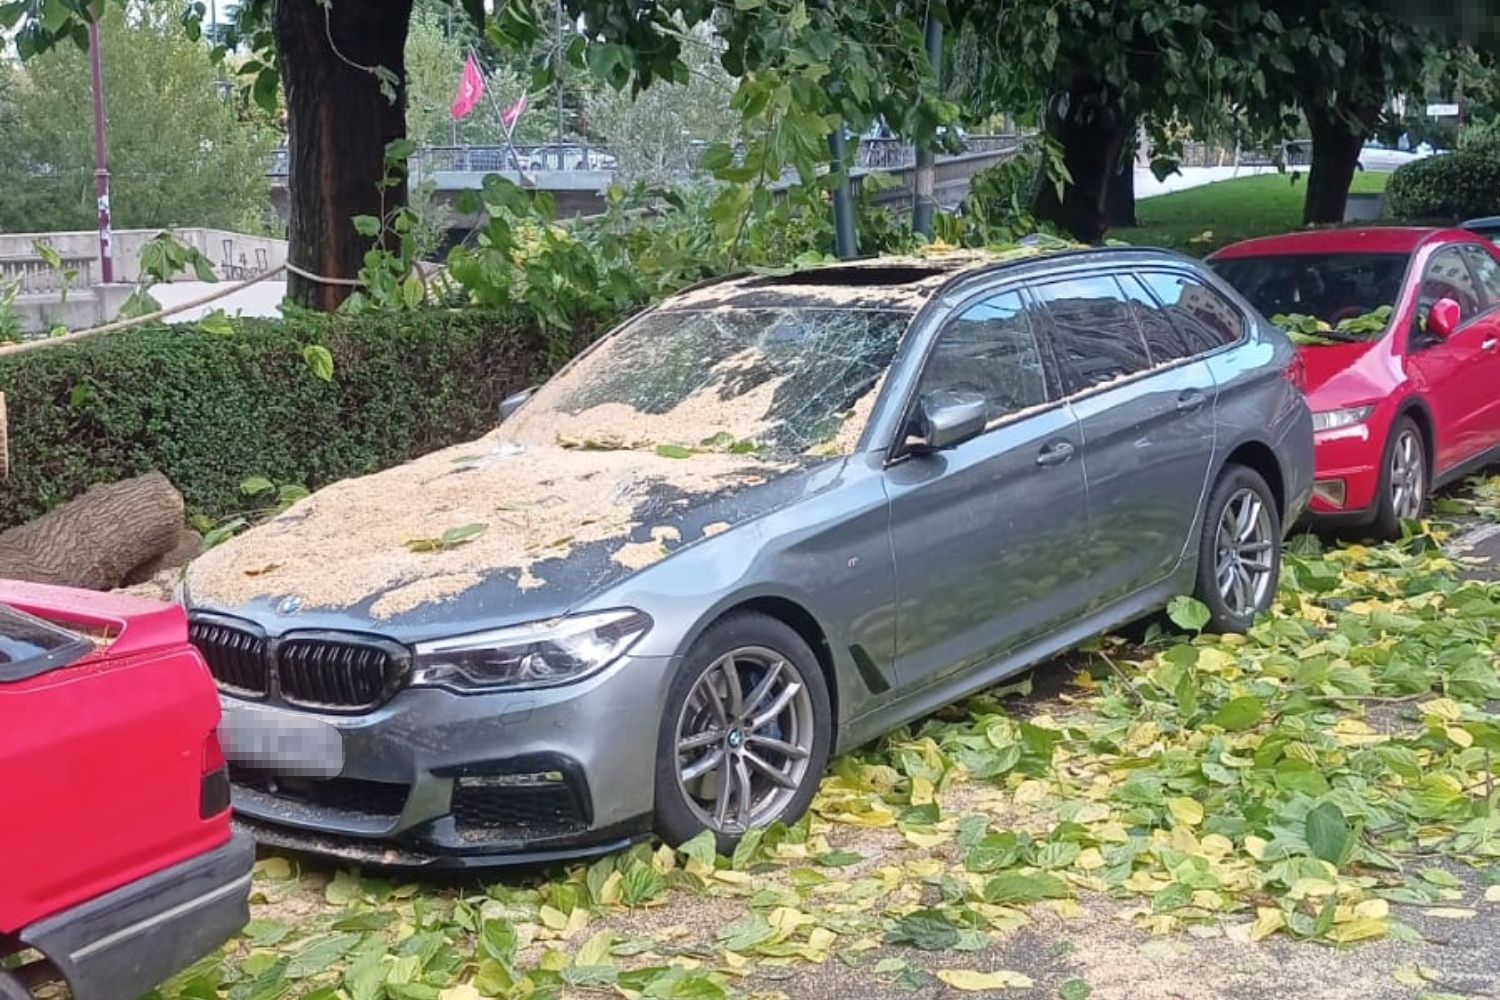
{"x": 30, "y": 646}
{"x": 1331, "y": 287}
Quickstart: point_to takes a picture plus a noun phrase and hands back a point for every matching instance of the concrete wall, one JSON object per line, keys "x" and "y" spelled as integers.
{"x": 42, "y": 305}
{"x": 234, "y": 255}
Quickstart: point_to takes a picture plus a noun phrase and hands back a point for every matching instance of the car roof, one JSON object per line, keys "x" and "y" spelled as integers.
{"x": 903, "y": 283}
{"x": 1376, "y": 239}
{"x": 1486, "y": 223}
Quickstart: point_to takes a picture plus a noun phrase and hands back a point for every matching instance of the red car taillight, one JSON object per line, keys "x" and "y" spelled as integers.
{"x": 213, "y": 792}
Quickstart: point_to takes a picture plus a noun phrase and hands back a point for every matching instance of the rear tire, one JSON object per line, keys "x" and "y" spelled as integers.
{"x": 1403, "y": 480}
{"x": 749, "y": 707}
{"x": 1239, "y": 550}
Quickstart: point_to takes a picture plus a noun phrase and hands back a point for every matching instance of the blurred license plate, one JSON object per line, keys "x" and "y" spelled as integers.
{"x": 283, "y": 742}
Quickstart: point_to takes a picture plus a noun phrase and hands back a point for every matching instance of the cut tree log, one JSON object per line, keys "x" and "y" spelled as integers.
{"x": 188, "y": 547}
{"x": 97, "y": 539}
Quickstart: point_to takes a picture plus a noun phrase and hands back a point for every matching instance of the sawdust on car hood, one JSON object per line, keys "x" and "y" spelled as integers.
{"x": 360, "y": 539}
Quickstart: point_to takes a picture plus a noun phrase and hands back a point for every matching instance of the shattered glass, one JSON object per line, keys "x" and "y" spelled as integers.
{"x": 813, "y": 363}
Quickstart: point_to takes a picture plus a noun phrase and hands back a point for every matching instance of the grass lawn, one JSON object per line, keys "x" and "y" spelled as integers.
{"x": 1200, "y": 220}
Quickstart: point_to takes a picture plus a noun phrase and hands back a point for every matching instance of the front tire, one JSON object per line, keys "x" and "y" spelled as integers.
{"x": 745, "y": 733}
{"x": 1403, "y": 480}
{"x": 1239, "y": 552}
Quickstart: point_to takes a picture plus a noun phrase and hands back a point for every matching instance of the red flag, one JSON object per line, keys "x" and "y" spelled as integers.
{"x": 512, "y": 114}
{"x": 470, "y": 89}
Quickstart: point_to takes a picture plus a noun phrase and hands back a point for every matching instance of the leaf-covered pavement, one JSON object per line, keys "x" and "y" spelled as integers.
{"x": 1306, "y": 811}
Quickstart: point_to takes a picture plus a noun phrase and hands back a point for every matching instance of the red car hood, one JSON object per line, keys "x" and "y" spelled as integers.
{"x": 1341, "y": 375}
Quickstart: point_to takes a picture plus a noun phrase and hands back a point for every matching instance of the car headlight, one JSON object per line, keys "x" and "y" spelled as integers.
{"x": 539, "y": 654}
{"x": 1330, "y": 420}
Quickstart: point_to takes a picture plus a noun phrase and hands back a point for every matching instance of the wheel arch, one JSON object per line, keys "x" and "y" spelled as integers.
{"x": 1417, "y": 409}
{"x": 796, "y": 615}
{"x": 1261, "y": 459}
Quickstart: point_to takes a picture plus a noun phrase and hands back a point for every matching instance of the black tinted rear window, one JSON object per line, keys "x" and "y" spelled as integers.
{"x": 30, "y": 646}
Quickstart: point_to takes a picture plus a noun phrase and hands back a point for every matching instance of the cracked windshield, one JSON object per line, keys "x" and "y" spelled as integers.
{"x": 775, "y": 381}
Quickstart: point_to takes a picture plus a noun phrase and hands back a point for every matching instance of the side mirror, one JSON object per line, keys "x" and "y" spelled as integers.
{"x": 510, "y": 404}
{"x": 944, "y": 419}
{"x": 1443, "y": 318}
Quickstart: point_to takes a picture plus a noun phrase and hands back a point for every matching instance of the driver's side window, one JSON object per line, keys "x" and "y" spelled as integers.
{"x": 1448, "y": 277}
{"x": 989, "y": 349}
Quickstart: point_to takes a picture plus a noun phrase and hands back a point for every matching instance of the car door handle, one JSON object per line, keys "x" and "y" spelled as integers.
{"x": 1489, "y": 345}
{"x": 1055, "y": 454}
{"x": 1191, "y": 401}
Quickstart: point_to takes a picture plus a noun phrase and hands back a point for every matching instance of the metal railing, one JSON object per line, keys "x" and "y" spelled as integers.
{"x": 882, "y": 153}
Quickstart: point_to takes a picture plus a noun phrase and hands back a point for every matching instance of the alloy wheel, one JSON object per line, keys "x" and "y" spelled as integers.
{"x": 1244, "y": 548}
{"x": 1408, "y": 476}
{"x": 744, "y": 738}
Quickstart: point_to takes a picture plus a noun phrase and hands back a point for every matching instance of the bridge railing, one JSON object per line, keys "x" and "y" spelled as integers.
{"x": 883, "y": 153}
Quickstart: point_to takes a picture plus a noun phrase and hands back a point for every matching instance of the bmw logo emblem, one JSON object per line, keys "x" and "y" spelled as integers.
{"x": 289, "y": 605}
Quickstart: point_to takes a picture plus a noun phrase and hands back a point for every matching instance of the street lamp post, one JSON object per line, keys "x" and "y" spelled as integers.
{"x": 101, "y": 168}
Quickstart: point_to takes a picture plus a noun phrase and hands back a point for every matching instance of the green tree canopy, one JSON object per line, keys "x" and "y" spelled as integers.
{"x": 179, "y": 152}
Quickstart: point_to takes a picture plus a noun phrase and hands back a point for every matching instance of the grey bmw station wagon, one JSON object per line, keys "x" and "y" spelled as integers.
{"x": 759, "y": 524}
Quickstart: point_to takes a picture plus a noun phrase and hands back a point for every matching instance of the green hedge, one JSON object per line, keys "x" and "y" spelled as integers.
{"x": 210, "y": 409}
{"x": 1450, "y": 187}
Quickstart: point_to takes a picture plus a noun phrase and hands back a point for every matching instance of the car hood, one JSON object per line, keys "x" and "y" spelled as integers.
{"x": 1341, "y": 374}
{"x": 483, "y": 534}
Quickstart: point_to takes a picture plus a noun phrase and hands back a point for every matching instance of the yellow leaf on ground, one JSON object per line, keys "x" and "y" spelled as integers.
{"x": 1268, "y": 920}
{"x": 1188, "y": 811}
{"x": 1445, "y": 709}
{"x": 1373, "y": 909}
{"x": 1031, "y": 792}
{"x": 1360, "y": 929}
{"x": 922, "y": 792}
{"x": 925, "y": 838}
{"x": 1461, "y": 737}
{"x": 977, "y": 982}
{"x": 552, "y": 918}
{"x": 595, "y": 950}
{"x": 463, "y": 991}
{"x": 1449, "y": 912}
{"x": 1492, "y": 894}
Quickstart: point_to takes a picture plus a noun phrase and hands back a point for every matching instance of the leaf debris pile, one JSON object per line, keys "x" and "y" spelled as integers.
{"x": 1315, "y": 780}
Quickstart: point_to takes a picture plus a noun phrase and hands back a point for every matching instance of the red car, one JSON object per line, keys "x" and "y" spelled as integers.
{"x": 117, "y": 864}
{"x": 1404, "y": 380}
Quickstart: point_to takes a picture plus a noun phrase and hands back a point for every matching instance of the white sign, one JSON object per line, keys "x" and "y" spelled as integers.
{"x": 1442, "y": 111}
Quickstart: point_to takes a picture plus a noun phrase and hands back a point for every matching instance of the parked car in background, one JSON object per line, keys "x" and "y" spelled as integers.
{"x": 1488, "y": 227}
{"x": 118, "y": 863}
{"x": 759, "y": 524}
{"x": 1403, "y": 378}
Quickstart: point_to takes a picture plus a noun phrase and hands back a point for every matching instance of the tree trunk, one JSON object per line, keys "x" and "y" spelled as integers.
{"x": 1335, "y": 157}
{"x": 96, "y": 540}
{"x": 1090, "y": 124}
{"x": 333, "y": 59}
{"x": 1122, "y": 196}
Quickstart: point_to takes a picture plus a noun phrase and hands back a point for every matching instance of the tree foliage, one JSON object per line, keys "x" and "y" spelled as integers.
{"x": 179, "y": 153}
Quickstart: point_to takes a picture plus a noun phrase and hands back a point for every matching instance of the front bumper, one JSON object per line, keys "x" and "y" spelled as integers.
{"x": 439, "y": 779}
{"x": 1347, "y": 461}
{"x": 121, "y": 944}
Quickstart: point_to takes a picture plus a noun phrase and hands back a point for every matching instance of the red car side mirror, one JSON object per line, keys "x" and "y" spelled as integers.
{"x": 1444, "y": 318}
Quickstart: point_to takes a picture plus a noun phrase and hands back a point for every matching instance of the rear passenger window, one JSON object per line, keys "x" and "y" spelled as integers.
{"x": 1094, "y": 334}
{"x": 989, "y": 349}
{"x": 1204, "y": 319}
{"x": 1486, "y": 272}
